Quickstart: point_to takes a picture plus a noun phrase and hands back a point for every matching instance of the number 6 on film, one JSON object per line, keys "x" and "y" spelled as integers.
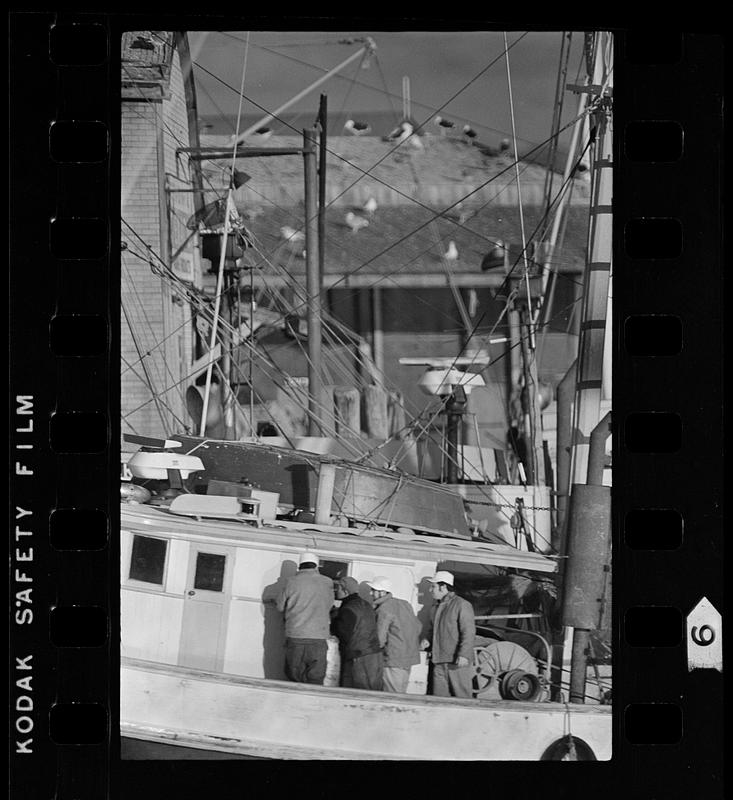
{"x": 704, "y": 637}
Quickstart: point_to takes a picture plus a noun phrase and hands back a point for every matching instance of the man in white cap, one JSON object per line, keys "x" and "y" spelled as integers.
{"x": 306, "y": 601}
{"x": 451, "y": 639}
{"x": 398, "y": 630}
{"x": 355, "y": 625}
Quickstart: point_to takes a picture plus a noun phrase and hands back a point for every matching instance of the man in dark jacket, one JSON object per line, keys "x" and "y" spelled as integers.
{"x": 355, "y": 625}
{"x": 398, "y": 630}
{"x": 451, "y": 639}
{"x": 305, "y": 602}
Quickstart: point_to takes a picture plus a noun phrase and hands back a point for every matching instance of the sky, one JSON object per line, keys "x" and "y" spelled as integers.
{"x": 460, "y": 75}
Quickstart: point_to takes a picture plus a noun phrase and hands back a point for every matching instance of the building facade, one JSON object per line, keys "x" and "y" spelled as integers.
{"x": 157, "y": 200}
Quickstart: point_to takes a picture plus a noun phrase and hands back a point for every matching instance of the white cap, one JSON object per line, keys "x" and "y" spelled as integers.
{"x": 442, "y": 576}
{"x": 380, "y": 583}
{"x": 308, "y": 558}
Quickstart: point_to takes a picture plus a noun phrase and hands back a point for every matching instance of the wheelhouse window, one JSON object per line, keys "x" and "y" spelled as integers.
{"x": 147, "y": 562}
{"x": 209, "y": 572}
{"x": 334, "y": 569}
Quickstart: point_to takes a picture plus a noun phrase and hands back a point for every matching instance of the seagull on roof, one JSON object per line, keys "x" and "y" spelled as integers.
{"x": 451, "y": 254}
{"x": 261, "y": 134}
{"x": 291, "y": 234}
{"x": 469, "y": 132}
{"x": 356, "y": 128}
{"x": 444, "y": 124}
{"x": 370, "y": 206}
{"x": 355, "y": 222}
{"x": 400, "y": 133}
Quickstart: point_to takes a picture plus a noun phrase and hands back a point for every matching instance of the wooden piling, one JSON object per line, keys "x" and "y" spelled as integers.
{"x": 348, "y": 410}
{"x": 324, "y": 493}
{"x": 397, "y": 420}
{"x": 375, "y": 412}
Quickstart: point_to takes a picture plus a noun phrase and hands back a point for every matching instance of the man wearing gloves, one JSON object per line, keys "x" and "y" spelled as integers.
{"x": 451, "y": 639}
{"x": 398, "y": 630}
{"x": 356, "y": 628}
{"x": 305, "y": 602}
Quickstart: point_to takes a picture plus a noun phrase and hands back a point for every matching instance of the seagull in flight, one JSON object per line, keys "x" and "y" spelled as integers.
{"x": 356, "y": 128}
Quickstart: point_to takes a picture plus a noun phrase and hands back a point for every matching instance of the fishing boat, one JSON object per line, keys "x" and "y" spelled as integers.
{"x": 212, "y": 527}
{"x": 203, "y": 646}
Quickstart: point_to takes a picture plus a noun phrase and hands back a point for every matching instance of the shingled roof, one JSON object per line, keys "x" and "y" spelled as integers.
{"x": 442, "y": 172}
{"x": 405, "y": 240}
{"x": 410, "y": 229}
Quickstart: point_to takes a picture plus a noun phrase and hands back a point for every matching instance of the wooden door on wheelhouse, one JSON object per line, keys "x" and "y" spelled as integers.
{"x": 206, "y": 606}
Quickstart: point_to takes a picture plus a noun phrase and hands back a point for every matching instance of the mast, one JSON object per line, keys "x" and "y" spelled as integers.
{"x": 523, "y": 303}
{"x": 589, "y": 511}
{"x": 591, "y": 343}
{"x": 217, "y": 308}
{"x": 313, "y": 283}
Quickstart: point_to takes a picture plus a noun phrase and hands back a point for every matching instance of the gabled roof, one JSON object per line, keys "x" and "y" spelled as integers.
{"x": 406, "y": 240}
{"x": 424, "y": 200}
{"x": 444, "y": 170}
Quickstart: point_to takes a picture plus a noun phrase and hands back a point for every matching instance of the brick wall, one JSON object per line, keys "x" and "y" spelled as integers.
{"x": 156, "y": 346}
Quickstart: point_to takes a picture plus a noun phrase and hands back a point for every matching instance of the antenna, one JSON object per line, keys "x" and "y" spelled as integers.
{"x": 442, "y": 376}
{"x": 405, "y": 97}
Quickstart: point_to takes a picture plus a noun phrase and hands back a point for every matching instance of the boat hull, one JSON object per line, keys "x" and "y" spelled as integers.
{"x": 277, "y": 719}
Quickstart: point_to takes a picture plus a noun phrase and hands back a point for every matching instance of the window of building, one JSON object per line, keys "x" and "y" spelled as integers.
{"x": 147, "y": 562}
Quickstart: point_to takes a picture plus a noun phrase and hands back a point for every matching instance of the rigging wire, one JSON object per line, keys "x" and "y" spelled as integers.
{"x": 386, "y": 91}
{"x": 515, "y": 148}
{"x": 206, "y": 311}
{"x": 562, "y": 69}
{"x": 367, "y": 172}
{"x": 390, "y": 95}
{"x": 163, "y": 420}
{"x": 483, "y": 314}
{"x": 516, "y": 171}
{"x": 479, "y": 502}
{"x": 151, "y": 330}
{"x": 353, "y": 81}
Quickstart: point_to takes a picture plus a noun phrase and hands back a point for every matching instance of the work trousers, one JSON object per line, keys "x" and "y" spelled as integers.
{"x": 452, "y": 681}
{"x": 305, "y": 660}
{"x": 364, "y": 672}
{"x": 395, "y": 680}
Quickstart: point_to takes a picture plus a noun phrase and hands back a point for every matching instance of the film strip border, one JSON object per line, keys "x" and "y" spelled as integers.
{"x": 65, "y": 402}
{"x": 667, "y": 374}
{"x": 63, "y": 322}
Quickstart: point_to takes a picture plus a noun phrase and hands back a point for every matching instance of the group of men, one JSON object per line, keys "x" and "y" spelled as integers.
{"x": 379, "y": 641}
